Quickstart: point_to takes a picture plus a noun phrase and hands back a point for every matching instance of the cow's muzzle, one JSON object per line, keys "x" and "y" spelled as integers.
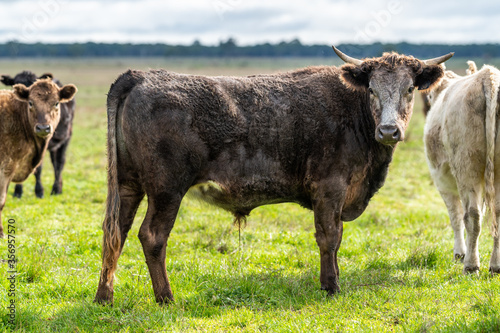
{"x": 389, "y": 134}
{"x": 43, "y": 130}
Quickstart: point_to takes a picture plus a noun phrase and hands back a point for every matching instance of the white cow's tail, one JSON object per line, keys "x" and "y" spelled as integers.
{"x": 491, "y": 94}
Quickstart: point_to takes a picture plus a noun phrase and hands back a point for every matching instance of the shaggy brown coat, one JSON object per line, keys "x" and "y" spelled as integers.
{"x": 243, "y": 142}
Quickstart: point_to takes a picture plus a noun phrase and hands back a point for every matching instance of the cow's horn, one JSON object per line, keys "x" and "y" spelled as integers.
{"x": 438, "y": 60}
{"x": 346, "y": 58}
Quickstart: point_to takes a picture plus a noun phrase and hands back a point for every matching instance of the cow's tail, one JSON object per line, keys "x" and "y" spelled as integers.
{"x": 111, "y": 228}
{"x": 491, "y": 94}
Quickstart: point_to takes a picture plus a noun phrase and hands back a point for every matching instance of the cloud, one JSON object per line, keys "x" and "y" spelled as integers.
{"x": 210, "y": 21}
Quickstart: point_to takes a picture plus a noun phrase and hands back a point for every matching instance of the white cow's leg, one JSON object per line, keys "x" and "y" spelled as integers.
{"x": 495, "y": 252}
{"x": 472, "y": 219}
{"x": 456, "y": 213}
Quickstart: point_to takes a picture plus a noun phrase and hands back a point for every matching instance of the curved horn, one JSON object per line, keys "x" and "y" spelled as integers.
{"x": 438, "y": 60}
{"x": 346, "y": 58}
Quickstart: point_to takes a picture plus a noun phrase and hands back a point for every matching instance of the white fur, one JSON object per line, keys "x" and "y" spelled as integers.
{"x": 461, "y": 145}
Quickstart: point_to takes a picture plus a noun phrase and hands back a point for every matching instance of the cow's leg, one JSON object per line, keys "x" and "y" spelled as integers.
{"x": 129, "y": 202}
{"x": 38, "y": 184}
{"x": 456, "y": 213}
{"x": 495, "y": 253}
{"x": 58, "y": 159}
{"x": 329, "y": 230}
{"x": 472, "y": 218}
{"x": 154, "y": 232}
{"x": 18, "y": 191}
{"x": 4, "y": 185}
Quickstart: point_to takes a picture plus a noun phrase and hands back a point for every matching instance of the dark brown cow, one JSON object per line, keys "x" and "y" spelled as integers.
{"x": 322, "y": 137}
{"x": 60, "y": 140}
{"x": 28, "y": 117}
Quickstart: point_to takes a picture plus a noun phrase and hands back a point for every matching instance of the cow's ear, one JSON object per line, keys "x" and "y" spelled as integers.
{"x": 429, "y": 78}
{"x": 7, "y": 80}
{"x": 46, "y": 76}
{"x": 354, "y": 77}
{"x": 21, "y": 92}
{"x": 67, "y": 92}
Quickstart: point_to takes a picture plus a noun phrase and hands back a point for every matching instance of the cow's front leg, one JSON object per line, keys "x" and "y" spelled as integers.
{"x": 38, "y": 184}
{"x": 329, "y": 227}
{"x": 4, "y": 185}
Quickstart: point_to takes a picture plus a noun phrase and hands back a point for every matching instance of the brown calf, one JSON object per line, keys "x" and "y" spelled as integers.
{"x": 28, "y": 117}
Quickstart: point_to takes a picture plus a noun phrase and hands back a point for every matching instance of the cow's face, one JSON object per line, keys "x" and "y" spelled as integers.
{"x": 43, "y": 99}
{"x": 390, "y": 81}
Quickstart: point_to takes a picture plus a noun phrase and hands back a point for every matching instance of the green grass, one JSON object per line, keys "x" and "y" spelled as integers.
{"x": 397, "y": 272}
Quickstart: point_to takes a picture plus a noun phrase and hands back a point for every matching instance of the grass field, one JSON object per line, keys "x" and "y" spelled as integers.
{"x": 397, "y": 272}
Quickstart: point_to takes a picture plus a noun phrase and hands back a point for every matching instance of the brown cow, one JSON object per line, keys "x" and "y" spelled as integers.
{"x": 28, "y": 117}
{"x": 322, "y": 137}
{"x": 59, "y": 143}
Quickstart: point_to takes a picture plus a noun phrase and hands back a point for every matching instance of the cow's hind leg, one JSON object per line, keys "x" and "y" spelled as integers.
{"x": 129, "y": 202}
{"x": 18, "y": 191}
{"x": 154, "y": 233}
{"x": 495, "y": 253}
{"x": 472, "y": 219}
{"x": 456, "y": 213}
{"x": 58, "y": 158}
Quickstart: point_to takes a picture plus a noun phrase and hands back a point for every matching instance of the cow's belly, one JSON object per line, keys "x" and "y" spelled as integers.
{"x": 243, "y": 197}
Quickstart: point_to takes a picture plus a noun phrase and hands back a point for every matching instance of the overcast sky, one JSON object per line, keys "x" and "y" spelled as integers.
{"x": 210, "y": 21}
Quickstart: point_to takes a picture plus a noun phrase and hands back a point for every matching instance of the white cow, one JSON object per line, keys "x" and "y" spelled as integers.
{"x": 460, "y": 143}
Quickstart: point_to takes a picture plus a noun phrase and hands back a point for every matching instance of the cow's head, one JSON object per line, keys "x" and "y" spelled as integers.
{"x": 43, "y": 99}
{"x": 26, "y": 77}
{"x": 391, "y": 81}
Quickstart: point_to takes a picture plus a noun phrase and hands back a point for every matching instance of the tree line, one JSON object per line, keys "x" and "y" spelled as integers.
{"x": 229, "y": 48}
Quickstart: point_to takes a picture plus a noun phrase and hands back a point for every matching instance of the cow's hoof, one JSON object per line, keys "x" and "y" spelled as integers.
{"x": 104, "y": 294}
{"x": 56, "y": 191}
{"x": 494, "y": 270}
{"x": 104, "y": 299}
{"x": 331, "y": 291}
{"x": 164, "y": 301}
{"x": 459, "y": 256}
{"x": 471, "y": 270}
{"x": 39, "y": 192}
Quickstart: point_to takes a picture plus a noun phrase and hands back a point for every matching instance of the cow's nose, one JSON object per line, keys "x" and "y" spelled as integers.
{"x": 388, "y": 134}
{"x": 43, "y": 130}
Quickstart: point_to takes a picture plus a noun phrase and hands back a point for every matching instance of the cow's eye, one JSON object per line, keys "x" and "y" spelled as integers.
{"x": 30, "y": 103}
{"x": 56, "y": 105}
{"x": 370, "y": 90}
{"x": 411, "y": 89}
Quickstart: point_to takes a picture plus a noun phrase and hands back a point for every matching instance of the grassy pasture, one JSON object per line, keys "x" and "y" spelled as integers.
{"x": 397, "y": 272}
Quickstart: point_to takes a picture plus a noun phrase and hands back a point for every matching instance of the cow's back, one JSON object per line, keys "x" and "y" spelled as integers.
{"x": 245, "y": 141}
{"x": 455, "y": 131}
